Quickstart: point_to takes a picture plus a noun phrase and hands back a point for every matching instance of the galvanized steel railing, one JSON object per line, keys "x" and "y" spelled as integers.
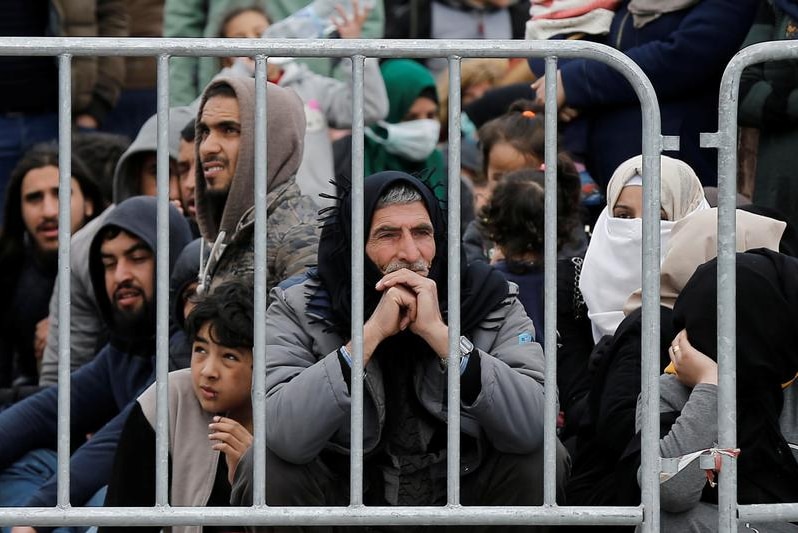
{"x": 725, "y": 140}
{"x": 647, "y": 514}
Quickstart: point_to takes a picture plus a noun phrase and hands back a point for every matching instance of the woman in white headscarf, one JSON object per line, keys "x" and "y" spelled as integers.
{"x": 613, "y": 263}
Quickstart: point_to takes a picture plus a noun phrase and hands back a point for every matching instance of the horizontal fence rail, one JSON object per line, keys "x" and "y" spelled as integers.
{"x": 646, "y": 514}
{"x": 251, "y": 516}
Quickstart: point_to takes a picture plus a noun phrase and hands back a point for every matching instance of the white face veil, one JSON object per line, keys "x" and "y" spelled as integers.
{"x": 612, "y": 269}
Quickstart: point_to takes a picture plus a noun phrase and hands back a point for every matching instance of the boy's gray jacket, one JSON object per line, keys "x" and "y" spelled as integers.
{"x": 308, "y": 401}
{"x": 194, "y": 462}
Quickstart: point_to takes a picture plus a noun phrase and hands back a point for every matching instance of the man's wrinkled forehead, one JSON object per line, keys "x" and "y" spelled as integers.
{"x": 385, "y": 217}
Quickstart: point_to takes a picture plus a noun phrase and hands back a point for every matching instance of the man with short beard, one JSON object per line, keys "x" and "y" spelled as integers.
{"x": 225, "y": 179}
{"x": 405, "y": 347}
{"x": 122, "y": 266}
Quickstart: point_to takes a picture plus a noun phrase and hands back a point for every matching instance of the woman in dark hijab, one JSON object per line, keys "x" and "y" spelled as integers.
{"x": 767, "y": 362}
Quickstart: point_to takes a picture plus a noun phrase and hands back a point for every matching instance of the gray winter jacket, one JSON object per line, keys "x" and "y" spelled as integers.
{"x": 308, "y": 402}
{"x": 697, "y": 429}
{"x": 87, "y": 328}
{"x": 87, "y": 332}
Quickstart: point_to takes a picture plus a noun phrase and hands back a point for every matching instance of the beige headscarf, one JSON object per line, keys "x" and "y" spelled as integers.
{"x": 681, "y": 190}
{"x": 694, "y": 241}
{"x": 286, "y": 123}
{"x": 612, "y": 269}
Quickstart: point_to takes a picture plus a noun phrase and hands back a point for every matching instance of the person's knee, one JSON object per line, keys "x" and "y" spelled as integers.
{"x": 526, "y": 474}
{"x": 37, "y": 464}
{"x": 241, "y": 490}
{"x": 291, "y": 484}
{"x": 287, "y": 484}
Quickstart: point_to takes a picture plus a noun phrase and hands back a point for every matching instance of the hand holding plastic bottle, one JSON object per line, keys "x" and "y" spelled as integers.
{"x": 314, "y": 21}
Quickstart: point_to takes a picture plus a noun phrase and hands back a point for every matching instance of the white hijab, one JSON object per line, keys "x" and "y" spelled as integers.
{"x": 612, "y": 269}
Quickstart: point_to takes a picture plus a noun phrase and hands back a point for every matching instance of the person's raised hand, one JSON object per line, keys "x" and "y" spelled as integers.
{"x": 394, "y": 313}
{"x": 87, "y": 122}
{"x": 230, "y": 438}
{"x": 539, "y": 86}
{"x": 350, "y": 26}
{"x": 567, "y": 114}
{"x": 692, "y": 367}
{"x": 428, "y": 323}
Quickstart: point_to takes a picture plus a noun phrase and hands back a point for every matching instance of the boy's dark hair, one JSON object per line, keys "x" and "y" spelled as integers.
{"x": 228, "y": 310}
{"x": 520, "y": 127}
{"x": 233, "y": 13}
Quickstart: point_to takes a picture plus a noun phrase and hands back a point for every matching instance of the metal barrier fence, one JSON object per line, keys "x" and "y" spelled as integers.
{"x": 725, "y": 140}
{"x": 646, "y": 514}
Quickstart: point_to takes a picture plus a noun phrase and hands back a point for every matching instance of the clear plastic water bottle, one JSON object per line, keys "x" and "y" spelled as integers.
{"x": 313, "y": 21}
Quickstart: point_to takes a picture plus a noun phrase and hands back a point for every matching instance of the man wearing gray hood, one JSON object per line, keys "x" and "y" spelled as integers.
{"x": 136, "y": 170}
{"x": 131, "y": 178}
{"x": 225, "y": 199}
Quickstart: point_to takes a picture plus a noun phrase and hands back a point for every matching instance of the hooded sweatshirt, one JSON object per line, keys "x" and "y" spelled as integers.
{"x": 86, "y": 324}
{"x": 292, "y": 238}
{"x": 126, "y": 178}
{"x": 104, "y": 390}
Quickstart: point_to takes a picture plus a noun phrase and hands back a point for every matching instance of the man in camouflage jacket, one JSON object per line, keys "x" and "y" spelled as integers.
{"x": 225, "y": 150}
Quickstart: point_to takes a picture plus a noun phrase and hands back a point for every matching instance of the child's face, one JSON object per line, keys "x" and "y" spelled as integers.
{"x": 222, "y": 376}
{"x": 503, "y": 159}
{"x": 246, "y": 25}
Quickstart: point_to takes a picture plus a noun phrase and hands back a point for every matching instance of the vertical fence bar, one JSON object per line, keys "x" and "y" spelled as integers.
{"x": 727, "y": 299}
{"x": 650, "y": 464}
{"x": 550, "y": 287}
{"x": 358, "y": 253}
{"x": 259, "y": 350}
{"x": 64, "y": 274}
{"x": 453, "y": 203}
{"x": 162, "y": 290}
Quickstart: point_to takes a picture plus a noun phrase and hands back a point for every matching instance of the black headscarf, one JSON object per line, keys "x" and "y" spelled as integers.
{"x": 767, "y": 309}
{"x": 482, "y": 288}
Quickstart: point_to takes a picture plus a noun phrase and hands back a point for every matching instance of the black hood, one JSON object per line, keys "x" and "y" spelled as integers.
{"x": 482, "y": 287}
{"x": 137, "y": 216}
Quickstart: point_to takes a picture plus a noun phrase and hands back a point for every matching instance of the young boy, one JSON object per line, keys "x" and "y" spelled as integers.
{"x": 210, "y": 412}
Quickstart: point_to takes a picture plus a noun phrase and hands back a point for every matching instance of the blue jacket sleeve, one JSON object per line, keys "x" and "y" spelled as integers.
{"x": 676, "y": 64}
{"x": 33, "y": 422}
{"x": 89, "y": 467}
